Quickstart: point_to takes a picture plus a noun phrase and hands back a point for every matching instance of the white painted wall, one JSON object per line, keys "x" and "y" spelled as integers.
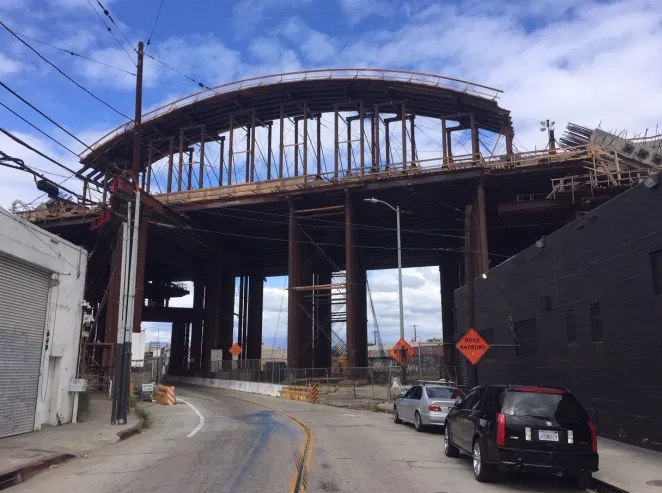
{"x": 68, "y": 263}
{"x": 138, "y": 341}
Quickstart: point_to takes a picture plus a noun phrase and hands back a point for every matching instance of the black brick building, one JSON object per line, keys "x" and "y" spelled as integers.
{"x": 585, "y": 305}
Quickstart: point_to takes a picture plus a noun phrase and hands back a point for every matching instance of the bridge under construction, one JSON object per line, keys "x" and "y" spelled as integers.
{"x": 269, "y": 177}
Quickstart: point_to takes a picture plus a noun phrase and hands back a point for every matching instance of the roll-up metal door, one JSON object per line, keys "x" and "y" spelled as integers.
{"x": 23, "y": 304}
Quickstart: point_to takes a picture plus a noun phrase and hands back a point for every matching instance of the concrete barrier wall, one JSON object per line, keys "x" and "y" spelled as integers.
{"x": 270, "y": 389}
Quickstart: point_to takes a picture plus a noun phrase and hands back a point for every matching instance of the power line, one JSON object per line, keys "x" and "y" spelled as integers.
{"x": 111, "y": 32}
{"x": 61, "y": 72}
{"x": 158, "y": 14}
{"x": 45, "y": 116}
{"x": 69, "y": 52}
{"x": 28, "y": 146}
{"x": 105, "y": 11}
{"x": 38, "y": 129}
{"x": 200, "y": 84}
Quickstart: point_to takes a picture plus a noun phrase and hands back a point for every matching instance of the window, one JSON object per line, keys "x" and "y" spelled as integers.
{"x": 479, "y": 401}
{"x": 570, "y": 328}
{"x": 449, "y": 393}
{"x": 471, "y": 399}
{"x": 561, "y": 407}
{"x": 596, "y": 323}
{"x": 527, "y": 336}
{"x": 656, "y": 265}
{"x": 416, "y": 393}
{"x": 488, "y": 335}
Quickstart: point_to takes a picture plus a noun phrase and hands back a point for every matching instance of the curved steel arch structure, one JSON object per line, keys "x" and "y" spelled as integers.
{"x": 260, "y": 100}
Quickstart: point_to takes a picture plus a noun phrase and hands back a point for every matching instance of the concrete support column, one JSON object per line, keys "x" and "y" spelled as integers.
{"x": 355, "y": 278}
{"x": 227, "y": 312}
{"x": 481, "y": 258}
{"x": 449, "y": 272}
{"x": 177, "y": 347}
{"x": 299, "y": 306}
{"x": 322, "y": 309}
{"x": 196, "y": 329}
{"x": 255, "y": 302}
{"x": 210, "y": 336}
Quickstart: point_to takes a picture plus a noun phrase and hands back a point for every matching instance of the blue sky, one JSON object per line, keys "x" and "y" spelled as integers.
{"x": 589, "y": 62}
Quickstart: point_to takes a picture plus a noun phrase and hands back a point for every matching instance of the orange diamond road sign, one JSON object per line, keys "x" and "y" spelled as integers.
{"x": 235, "y": 350}
{"x": 472, "y": 346}
{"x": 396, "y": 352}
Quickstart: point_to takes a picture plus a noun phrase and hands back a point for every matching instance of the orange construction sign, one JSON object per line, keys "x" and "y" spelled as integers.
{"x": 235, "y": 350}
{"x": 472, "y": 346}
{"x": 402, "y": 352}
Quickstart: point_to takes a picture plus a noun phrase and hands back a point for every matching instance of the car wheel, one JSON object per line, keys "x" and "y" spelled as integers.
{"x": 483, "y": 472}
{"x": 396, "y": 417}
{"x": 418, "y": 424}
{"x": 449, "y": 449}
{"x": 583, "y": 481}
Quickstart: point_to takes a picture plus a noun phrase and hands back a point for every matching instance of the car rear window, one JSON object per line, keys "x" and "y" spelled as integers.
{"x": 561, "y": 406}
{"x": 444, "y": 393}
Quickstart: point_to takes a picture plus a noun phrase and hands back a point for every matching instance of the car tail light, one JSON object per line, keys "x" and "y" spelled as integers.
{"x": 594, "y": 436}
{"x": 501, "y": 430}
{"x": 540, "y": 390}
{"x": 434, "y": 407}
{"x": 527, "y": 434}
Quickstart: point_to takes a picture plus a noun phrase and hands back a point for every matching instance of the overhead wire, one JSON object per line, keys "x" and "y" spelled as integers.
{"x": 38, "y": 129}
{"x": 107, "y": 13}
{"x": 69, "y": 52}
{"x": 158, "y": 14}
{"x": 111, "y": 32}
{"x": 64, "y": 74}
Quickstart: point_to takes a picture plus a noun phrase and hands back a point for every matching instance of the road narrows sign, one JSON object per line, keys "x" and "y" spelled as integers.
{"x": 472, "y": 346}
{"x": 235, "y": 350}
{"x": 397, "y": 351}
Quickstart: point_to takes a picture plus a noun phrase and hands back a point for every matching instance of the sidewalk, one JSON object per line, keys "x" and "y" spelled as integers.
{"x": 633, "y": 469}
{"x": 23, "y": 455}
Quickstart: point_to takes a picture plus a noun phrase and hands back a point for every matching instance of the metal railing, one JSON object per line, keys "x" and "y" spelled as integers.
{"x": 432, "y": 80}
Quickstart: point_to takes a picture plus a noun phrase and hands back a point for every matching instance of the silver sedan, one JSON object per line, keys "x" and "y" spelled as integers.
{"x": 425, "y": 405}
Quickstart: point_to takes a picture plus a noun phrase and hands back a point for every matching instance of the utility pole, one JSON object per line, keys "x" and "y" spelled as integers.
{"x": 130, "y": 238}
{"x": 420, "y": 368}
{"x": 138, "y": 113}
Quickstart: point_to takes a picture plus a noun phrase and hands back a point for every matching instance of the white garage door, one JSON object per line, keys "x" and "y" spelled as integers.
{"x": 23, "y": 303}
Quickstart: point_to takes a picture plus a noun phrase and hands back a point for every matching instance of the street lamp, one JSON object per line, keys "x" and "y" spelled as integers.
{"x": 373, "y": 200}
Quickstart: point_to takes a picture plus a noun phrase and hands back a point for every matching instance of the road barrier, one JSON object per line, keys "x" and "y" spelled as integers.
{"x": 295, "y": 392}
{"x": 313, "y": 392}
{"x": 165, "y": 394}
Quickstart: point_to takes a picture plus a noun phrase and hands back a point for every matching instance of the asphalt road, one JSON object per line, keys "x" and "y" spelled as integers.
{"x": 250, "y": 443}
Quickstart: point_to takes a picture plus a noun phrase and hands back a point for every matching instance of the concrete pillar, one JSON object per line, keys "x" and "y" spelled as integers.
{"x": 227, "y": 312}
{"x": 196, "y": 329}
{"x": 210, "y": 335}
{"x": 355, "y": 278}
{"x": 481, "y": 257}
{"x": 322, "y": 331}
{"x": 255, "y": 302}
{"x": 299, "y": 353}
{"x": 449, "y": 273}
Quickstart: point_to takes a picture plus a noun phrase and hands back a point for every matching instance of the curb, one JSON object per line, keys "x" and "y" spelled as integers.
{"x": 129, "y": 432}
{"x": 23, "y": 473}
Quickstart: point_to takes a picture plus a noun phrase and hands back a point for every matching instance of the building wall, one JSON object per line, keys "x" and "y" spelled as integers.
{"x": 68, "y": 263}
{"x": 603, "y": 259}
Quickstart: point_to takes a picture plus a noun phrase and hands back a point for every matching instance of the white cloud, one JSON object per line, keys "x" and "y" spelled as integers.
{"x": 247, "y": 14}
{"x": 9, "y": 66}
{"x": 357, "y": 10}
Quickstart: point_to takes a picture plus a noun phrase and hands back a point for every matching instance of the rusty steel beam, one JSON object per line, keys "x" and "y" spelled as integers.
{"x": 449, "y": 145}
{"x": 362, "y": 136}
{"x": 171, "y": 153}
{"x": 196, "y": 332}
{"x": 296, "y": 147}
{"x": 412, "y": 139}
{"x": 227, "y": 312}
{"x": 350, "y": 279}
{"x": 475, "y": 142}
{"x": 230, "y": 150}
{"x": 252, "y": 177}
{"x": 180, "y": 177}
{"x": 349, "y": 146}
{"x": 482, "y": 258}
{"x": 269, "y": 130}
{"x": 150, "y": 156}
{"x": 444, "y": 143}
{"x": 319, "y": 147}
{"x": 336, "y": 149}
{"x": 376, "y": 159}
{"x": 282, "y": 138}
{"x": 305, "y": 139}
{"x": 509, "y": 146}
{"x": 201, "y": 181}
{"x": 247, "y": 163}
{"x": 387, "y": 144}
{"x": 403, "y": 116}
{"x": 221, "y": 159}
{"x": 189, "y": 176}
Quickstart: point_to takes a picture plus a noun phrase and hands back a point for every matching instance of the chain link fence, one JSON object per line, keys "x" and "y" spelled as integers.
{"x": 148, "y": 370}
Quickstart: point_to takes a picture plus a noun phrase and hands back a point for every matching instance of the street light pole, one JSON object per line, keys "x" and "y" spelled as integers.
{"x": 373, "y": 200}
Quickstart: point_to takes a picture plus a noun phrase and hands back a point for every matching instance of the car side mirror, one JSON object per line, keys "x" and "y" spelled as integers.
{"x": 458, "y": 401}
{"x": 401, "y": 394}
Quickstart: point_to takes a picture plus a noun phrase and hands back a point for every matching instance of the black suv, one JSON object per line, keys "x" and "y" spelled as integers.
{"x": 538, "y": 429}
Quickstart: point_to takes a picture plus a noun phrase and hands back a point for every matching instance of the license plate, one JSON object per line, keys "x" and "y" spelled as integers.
{"x": 548, "y": 436}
